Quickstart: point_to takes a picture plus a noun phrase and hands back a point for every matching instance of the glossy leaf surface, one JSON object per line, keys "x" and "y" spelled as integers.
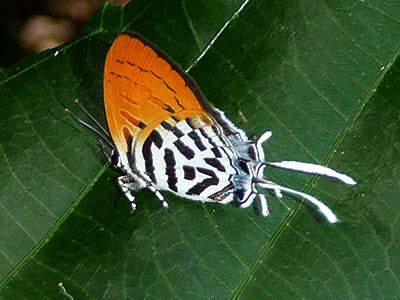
{"x": 323, "y": 77}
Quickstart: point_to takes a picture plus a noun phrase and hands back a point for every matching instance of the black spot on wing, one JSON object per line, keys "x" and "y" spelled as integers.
{"x": 198, "y": 188}
{"x": 169, "y": 109}
{"x": 189, "y": 123}
{"x": 216, "y": 152}
{"x": 215, "y": 130}
{"x": 170, "y": 163}
{"x": 155, "y": 138}
{"x": 189, "y": 173}
{"x": 177, "y": 132}
{"x": 185, "y": 150}
{"x": 210, "y": 138}
{"x": 142, "y": 125}
{"x": 208, "y": 172}
{"x": 215, "y": 163}
{"x": 196, "y": 138}
{"x": 148, "y": 160}
{"x": 166, "y": 125}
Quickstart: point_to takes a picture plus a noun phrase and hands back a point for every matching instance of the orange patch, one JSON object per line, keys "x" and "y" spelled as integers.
{"x": 142, "y": 84}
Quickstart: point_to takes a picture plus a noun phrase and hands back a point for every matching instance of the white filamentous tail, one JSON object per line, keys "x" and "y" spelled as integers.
{"x": 312, "y": 169}
{"x": 264, "y": 137}
{"x": 325, "y": 210}
{"x": 264, "y": 205}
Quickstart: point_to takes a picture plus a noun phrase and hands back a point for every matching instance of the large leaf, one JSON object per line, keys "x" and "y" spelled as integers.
{"x": 323, "y": 76}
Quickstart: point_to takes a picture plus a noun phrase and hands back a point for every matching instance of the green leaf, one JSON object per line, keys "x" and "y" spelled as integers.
{"x": 324, "y": 77}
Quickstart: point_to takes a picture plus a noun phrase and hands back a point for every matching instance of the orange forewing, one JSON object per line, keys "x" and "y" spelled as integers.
{"x": 142, "y": 87}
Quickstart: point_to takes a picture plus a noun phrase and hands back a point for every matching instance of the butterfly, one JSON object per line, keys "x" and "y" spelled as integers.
{"x": 165, "y": 136}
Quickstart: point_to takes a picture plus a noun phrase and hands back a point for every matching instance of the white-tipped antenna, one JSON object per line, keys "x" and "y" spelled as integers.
{"x": 325, "y": 210}
{"x": 312, "y": 169}
{"x": 87, "y": 113}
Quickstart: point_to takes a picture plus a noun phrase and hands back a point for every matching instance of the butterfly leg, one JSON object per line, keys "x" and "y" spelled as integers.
{"x": 160, "y": 197}
{"x": 127, "y": 184}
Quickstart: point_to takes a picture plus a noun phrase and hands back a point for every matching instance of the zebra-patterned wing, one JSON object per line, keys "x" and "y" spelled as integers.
{"x": 189, "y": 157}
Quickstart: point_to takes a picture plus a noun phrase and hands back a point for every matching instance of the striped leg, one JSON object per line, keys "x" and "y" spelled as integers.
{"x": 127, "y": 184}
{"x": 160, "y": 197}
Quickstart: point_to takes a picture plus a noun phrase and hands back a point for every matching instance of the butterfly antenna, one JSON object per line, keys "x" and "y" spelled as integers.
{"x": 86, "y": 112}
{"x": 101, "y": 134}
